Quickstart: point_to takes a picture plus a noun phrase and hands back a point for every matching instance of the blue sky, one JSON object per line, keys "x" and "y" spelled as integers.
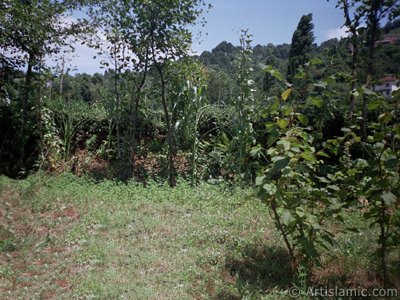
{"x": 269, "y": 21}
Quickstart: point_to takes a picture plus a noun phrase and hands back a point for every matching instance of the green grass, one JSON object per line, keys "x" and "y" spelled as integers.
{"x": 144, "y": 243}
{"x": 69, "y": 237}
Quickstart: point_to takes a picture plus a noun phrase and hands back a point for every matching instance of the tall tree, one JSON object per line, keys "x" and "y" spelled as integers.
{"x": 300, "y": 49}
{"x": 156, "y": 34}
{"x": 127, "y": 46}
{"x": 171, "y": 40}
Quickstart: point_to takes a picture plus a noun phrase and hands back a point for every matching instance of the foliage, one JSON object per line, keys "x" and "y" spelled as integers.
{"x": 324, "y": 145}
{"x": 52, "y": 148}
{"x": 242, "y": 132}
{"x": 190, "y": 106}
{"x": 302, "y": 197}
{"x": 376, "y": 181}
{"x": 305, "y": 192}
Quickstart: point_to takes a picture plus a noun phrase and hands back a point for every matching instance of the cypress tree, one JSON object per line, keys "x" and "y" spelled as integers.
{"x": 300, "y": 49}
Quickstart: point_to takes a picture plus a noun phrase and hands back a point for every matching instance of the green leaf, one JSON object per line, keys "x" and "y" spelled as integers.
{"x": 273, "y": 136}
{"x": 287, "y": 110}
{"x": 275, "y": 73}
{"x": 321, "y": 84}
{"x": 286, "y": 94}
{"x": 283, "y": 145}
{"x": 346, "y": 130}
{"x": 281, "y": 163}
{"x": 282, "y": 123}
{"x": 385, "y": 117}
{"x": 260, "y": 179}
{"x": 275, "y": 105}
{"x": 391, "y": 163}
{"x": 355, "y": 93}
{"x": 321, "y": 153}
{"x": 300, "y": 212}
{"x": 334, "y": 187}
{"x": 316, "y": 61}
{"x": 270, "y": 125}
{"x": 300, "y": 75}
{"x": 270, "y": 188}
{"x": 360, "y": 163}
{"x": 323, "y": 179}
{"x": 317, "y": 102}
{"x": 379, "y": 136}
{"x": 303, "y": 119}
{"x": 255, "y": 151}
{"x": 309, "y": 156}
{"x": 374, "y": 104}
{"x": 309, "y": 248}
{"x": 287, "y": 217}
{"x": 389, "y": 198}
{"x": 367, "y": 91}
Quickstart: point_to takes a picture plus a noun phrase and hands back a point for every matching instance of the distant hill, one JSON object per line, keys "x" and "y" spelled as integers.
{"x": 335, "y": 53}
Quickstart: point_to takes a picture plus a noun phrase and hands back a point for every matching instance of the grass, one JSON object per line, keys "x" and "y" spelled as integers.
{"x": 64, "y": 237}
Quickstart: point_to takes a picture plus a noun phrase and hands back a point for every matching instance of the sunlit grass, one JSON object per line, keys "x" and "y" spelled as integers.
{"x": 72, "y": 237}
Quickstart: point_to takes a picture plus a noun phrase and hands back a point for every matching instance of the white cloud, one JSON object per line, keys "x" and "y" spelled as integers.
{"x": 337, "y": 33}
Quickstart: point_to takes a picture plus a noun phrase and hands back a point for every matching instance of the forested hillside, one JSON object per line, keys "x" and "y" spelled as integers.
{"x": 281, "y": 160}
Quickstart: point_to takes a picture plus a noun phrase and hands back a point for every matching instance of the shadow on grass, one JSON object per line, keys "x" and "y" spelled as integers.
{"x": 260, "y": 269}
{"x": 119, "y": 171}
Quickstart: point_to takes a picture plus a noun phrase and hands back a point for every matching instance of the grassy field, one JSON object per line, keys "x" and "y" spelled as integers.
{"x": 65, "y": 237}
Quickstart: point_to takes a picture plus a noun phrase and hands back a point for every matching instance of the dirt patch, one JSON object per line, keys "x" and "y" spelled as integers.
{"x": 146, "y": 166}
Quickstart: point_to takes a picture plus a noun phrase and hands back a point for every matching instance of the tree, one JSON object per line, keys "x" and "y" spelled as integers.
{"x": 170, "y": 38}
{"x": 155, "y": 33}
{"x": 300, "y": 49}
{"x": 29, "y": 32}
{"x": 127, "y": 47}
{"x": 374, "y": 12}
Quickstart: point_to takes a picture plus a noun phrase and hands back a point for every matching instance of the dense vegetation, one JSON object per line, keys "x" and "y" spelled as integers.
{"x": 298, "y": 124}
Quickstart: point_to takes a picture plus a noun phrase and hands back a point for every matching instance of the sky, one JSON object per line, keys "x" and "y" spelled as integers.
{"x": 269, "y": 21}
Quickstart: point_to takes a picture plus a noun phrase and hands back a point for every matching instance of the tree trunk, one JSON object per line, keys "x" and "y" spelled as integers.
{"x": 282, "y": 230}
{"x": 383, "y": 239}
{"x": 62, "y": 77}
{"x": 134, "y": 115}
{"x": 352, "y": 25}
{"x": 117, "y": 110}
{"x": 23, "y": 132}
{"x": 27, "y": 88}
{"x": 373, "y": 30}
{"x": 134, "y": 118}
{"x": 170, "y": 140}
